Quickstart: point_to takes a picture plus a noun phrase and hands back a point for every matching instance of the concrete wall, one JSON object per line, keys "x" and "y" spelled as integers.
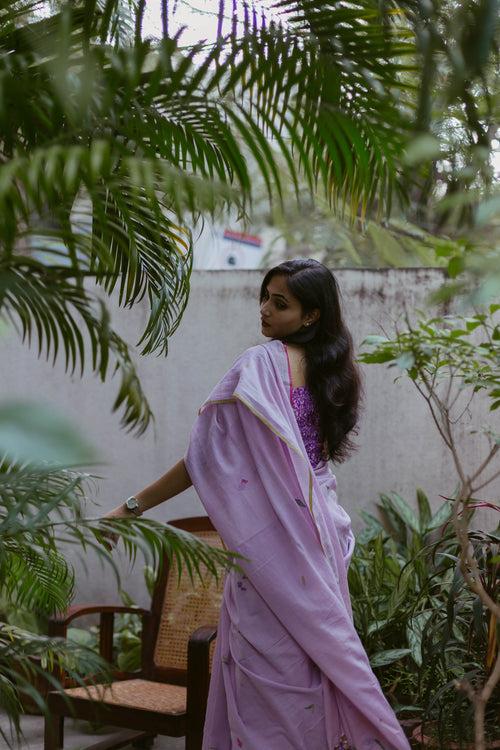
{"x": 399, "y": 448}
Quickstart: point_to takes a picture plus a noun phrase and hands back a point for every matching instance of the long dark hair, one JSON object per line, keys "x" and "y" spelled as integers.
{"x": 331, "y": 372}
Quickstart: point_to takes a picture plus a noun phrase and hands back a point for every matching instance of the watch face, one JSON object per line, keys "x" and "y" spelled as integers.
{"x": 132, "y": 503}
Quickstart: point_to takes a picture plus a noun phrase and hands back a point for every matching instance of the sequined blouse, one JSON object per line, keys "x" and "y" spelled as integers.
{"x": 307, "y": 417}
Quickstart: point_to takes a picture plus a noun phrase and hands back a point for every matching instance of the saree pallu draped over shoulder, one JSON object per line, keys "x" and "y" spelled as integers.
{"x": 289, "y": 670}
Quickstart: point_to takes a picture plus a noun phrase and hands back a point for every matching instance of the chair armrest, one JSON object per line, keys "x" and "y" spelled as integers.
{"x": 198, "y": 678}
{"x": 203, "y": 634}
{"x": 198, "y": 661}
{"x": 59, "y": 623}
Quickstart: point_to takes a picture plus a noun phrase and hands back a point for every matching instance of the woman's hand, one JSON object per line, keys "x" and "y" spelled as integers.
{"x": 111, "y": 537}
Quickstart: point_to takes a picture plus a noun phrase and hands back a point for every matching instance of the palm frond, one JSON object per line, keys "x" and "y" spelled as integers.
{"x": 49, "y": 302}
{"x": 25, "y": 656}
{"x": 42, "y": 508}
{"x": 33, "y": 577}
{"x": 11, "y": 704}
{"x": 330, "y": 78}
{"x": 106, "y": 149}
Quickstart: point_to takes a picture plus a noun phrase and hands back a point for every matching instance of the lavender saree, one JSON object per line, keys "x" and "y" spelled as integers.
{"x": 289, "y": 670}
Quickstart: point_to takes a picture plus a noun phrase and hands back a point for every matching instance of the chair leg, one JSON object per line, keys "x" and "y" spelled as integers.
{"x": 54, "y": 732}
{"x": 194, "y": 739}
{"x": 145, "y": 744}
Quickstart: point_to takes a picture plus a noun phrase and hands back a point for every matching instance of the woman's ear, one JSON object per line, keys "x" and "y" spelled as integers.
{"x": 314, "y": 316}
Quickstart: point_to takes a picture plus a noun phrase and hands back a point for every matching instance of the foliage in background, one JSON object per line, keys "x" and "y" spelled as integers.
{"x": 447, "y": 209}
{"x": 451, "y": 360}
{"x": 422, "y": 627}
{"x": 312, "y": 229}
{"x": 456, "y": 117}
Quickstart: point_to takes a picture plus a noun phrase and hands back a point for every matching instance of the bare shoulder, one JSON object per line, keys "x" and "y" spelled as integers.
{"x": 297, "y": 359}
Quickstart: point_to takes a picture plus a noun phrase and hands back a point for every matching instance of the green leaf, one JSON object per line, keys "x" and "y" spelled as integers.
{"x": 423, "y": 148}
{"x": 400, "y": 593}
{"x": 130, "y": 660}
{"x": 389, "y": 249}
{"x": 440, "y": 516}
{"x": 32, "y": 432}
{"x": 377, "y": 357}
{"x": 81, "y": 636}
{"x": 424, "y": 510}
{"x": 389, "y": 656}
{"x": 405, "y": 513}
{"x": 405, "y": 361}
{"x": 376, "y": 626}
{"x": 414, "y": 634}
{"x": 373, "y": 339}
{"x": 456, "y": 266}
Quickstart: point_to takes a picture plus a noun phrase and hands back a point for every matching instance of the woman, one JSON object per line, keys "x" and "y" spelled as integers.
{"x": 289, "y": 670}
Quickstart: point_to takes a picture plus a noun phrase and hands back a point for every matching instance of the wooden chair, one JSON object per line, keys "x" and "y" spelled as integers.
{"x": 168, "y": 695}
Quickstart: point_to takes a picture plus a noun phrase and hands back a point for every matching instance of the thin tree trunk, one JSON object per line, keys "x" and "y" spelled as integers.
{"x": 220, "y": 19}
{"x": 164, "y": 18}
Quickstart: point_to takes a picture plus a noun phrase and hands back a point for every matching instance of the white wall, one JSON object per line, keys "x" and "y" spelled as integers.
{"x": 399, "y": 449}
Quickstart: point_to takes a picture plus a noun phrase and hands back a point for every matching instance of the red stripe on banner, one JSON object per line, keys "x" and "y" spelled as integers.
{"x": 246, "y": 239}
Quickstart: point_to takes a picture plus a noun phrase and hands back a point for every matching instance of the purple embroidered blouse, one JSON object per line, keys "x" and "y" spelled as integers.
{"x": 307, "y": 417}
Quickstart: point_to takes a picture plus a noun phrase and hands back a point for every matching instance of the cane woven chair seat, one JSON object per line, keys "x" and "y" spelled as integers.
{"x": 186, "y": 608}
{"x": 142, "y": 695}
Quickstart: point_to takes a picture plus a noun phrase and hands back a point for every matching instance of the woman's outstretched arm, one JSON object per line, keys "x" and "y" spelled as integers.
{"x": 169, "y": 485}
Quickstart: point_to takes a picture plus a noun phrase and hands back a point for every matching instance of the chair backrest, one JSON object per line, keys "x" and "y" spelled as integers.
{"x": 180, "y": 608}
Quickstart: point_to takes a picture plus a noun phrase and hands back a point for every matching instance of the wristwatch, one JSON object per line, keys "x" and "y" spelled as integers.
{"x": 132, "y": 504}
